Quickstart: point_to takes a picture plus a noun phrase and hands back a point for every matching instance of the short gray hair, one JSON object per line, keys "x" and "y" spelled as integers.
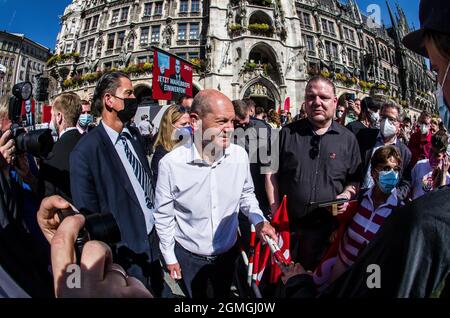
{"x": 391, "y": 104}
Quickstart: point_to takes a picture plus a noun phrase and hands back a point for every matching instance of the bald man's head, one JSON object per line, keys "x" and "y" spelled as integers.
{"x": 206, "y": 99}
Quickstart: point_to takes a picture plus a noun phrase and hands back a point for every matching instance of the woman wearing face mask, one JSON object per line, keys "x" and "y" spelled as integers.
{"x": 340, "y": 114}
{"x": 369, "y": 117}
{"x": 428, "y": 174}
{"x": 412, "y": 249}
{"x": 175, "y": 128}
{"x": 364, "y": 218}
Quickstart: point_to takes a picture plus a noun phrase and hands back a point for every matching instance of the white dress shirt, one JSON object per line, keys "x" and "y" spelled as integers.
{"x": 197, "y": 204}
{"x": 145, "y": 128}
{"x": 114, "y": 136}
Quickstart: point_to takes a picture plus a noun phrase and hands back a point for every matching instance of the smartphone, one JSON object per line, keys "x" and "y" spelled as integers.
{"x": 350, "y": 97}
{"x": 325, "y": 204}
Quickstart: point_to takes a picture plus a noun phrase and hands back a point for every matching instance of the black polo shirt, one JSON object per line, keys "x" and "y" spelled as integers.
{"x": 315, "y": 168}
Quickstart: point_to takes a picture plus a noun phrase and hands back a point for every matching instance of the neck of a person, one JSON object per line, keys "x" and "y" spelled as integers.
{"x": 366, "y": 122}
{"x": 320, "y": 128}
{"x": 390, "y": 140}
{"x": 379, "y": 197}
{"x": 207, "y": 152}
{"x": 111, "y": 119}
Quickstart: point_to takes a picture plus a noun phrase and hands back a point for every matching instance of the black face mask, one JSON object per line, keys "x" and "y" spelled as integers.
{"x": 129, "y": 111}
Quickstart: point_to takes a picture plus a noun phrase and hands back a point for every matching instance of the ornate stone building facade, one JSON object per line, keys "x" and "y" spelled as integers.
{"x": 264, "y": 49}
{"x": 23, "y": 59}
{"x": 364, "y": 57}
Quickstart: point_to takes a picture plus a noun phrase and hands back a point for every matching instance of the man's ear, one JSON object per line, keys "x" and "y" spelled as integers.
{"x": 59, "y": 118}
{"x": 195, "y": 121}
{"x": 108, "y": 102}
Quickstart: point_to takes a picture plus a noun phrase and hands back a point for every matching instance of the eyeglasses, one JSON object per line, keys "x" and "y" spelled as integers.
{"x": 314, "y": 151}
{"x": 393, "y": 120}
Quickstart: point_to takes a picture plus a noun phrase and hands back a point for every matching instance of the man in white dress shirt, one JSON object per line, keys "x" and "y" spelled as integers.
{"x": 201, "y": 187}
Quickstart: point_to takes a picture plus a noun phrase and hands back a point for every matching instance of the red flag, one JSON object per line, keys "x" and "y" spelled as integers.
{"x": 280, "y": 222}
{"x": 287, "y": 104}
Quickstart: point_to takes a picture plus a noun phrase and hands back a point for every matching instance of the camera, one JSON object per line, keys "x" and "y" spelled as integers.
{"x": 98, "y": 227}
{"x": 38, "y": 143}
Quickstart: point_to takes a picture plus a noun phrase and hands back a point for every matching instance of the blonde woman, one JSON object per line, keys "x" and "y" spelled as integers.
{"x": 174, "y": 123}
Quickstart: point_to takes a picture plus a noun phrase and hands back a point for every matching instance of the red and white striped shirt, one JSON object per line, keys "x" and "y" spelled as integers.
{"x": 365, "y": 224}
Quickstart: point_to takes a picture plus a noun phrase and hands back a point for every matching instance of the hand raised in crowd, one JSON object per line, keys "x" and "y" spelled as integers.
{"x": 100, "y": 277}
{"x": 292, "y": 270}
{"x": 439, "y": 174}
{"x": 350, "y": 105}
{"x": 7, "y": 150}
{"x": 263, "y": 229}
{"x": 174, "y": 271}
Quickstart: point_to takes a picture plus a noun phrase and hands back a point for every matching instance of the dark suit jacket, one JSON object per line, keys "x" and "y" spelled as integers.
{"x": 55, "y": 170}
{"x": 100, "y": 184}
{"x": 367, "y": 139}
{"x": 25, "y": 118}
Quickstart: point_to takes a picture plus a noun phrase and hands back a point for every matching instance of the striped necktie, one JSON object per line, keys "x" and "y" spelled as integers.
{"x": 139, "y": 171}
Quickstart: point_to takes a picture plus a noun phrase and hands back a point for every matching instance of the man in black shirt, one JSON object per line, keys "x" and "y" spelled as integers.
{"x": 319, "y": 160}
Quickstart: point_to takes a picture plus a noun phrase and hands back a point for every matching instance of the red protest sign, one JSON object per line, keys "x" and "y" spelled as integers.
{"x": 172, "y": 77}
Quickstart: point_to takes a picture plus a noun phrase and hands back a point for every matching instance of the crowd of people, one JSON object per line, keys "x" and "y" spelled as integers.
{"x": 179, "y": 195}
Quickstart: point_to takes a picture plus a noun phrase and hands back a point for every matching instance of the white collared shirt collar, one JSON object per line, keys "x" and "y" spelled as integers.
{"x": 368, "y": 203}
{"x": 195, "y": 158}
{"x": 112, "y": 134}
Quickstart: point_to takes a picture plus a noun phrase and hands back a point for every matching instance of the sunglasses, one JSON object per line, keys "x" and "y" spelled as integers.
{"x": 314, "y": 151}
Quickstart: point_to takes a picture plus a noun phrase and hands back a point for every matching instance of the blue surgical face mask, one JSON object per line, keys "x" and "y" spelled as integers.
{"x": 387, "y": 180}
{"x": 444, "y": 112}
{"x": 85, "y": 120}
{"x": 184, "y": 133}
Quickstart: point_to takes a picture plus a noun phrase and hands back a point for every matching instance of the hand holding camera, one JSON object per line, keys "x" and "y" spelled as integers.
{"x": 100, "y": 277}
{"x": 7, "y": 150}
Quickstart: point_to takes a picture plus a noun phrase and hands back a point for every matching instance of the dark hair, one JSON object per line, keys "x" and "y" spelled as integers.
{"x": 240, "y": 108}
{"x": 407, "y": 120}
{"x": 382, "y": 155}
{"x": 441, "y": 40}
{"x": 319, "y": 78}
{"x": 259, "y": 110}
{"x": 250, "y": 102}
{"x": 182, "y": 99}
{"x": 440, "y": 140}
{"x": 108, "y": 84}
{"x": 391, "y": 104}
{"x": 366, "y": 104}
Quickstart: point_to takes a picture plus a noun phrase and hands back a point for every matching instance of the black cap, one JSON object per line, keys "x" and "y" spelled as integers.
{"x": 434, "y": 15}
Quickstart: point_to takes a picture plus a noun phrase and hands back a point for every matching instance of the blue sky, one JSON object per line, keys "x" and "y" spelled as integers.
{"x": 39, "y": 19}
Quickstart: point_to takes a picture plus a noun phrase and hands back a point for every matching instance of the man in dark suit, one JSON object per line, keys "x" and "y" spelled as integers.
{"x": 110, "y": 174}
{"x": 369, "y": 140}
{"x": 28, "y": 117}
{"x": 55, "y": 170}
